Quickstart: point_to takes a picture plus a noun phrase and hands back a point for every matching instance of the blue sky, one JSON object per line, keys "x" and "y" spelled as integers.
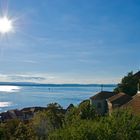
{"x": 70, "y": 41}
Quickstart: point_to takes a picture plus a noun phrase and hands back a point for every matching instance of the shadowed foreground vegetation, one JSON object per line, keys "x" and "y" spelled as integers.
{"x": 77, "y": 123}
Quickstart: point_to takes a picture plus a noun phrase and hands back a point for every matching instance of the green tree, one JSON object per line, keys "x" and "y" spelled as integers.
{"x": 87, "y": 111}
{"x": 2, "y": 132}
{"x": 83, "y": 111}
{"x": 72, "y": 116}
{"x": 24, "y": 132}
{"x": 82, "y": 130}
{"x": 120, "y": 125}
{"x": 10, "y": 128}
{"x": 128, "y": 84}
{"x": 47, "y": 121}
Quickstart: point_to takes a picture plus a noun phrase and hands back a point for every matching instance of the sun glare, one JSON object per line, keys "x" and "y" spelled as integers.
{"x": 5, "y": 25}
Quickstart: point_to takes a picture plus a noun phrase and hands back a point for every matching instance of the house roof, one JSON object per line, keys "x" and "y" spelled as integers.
{"x": 5, "y": 116}
{"x": 119, "y": 99}
{"x": 137, "y": 74}
{"x": 134, "y": 104}
{"x": 16, "y": 112}
{"x": 33, "y": 109}
{"x": 103, "y": 95}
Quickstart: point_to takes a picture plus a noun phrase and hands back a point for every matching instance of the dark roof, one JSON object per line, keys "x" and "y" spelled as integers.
{"x": 134, "y": 104}
{"x": 103, "y": 95}
{"x": 137, "y": 74}
{"x": 33, "y": 109}
{"x": 16, "y": 112}
{"x": 119, "y": 99}
{"x": 5, "y": 116}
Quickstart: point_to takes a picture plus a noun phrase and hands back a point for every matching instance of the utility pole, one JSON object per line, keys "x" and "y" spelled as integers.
{"x": 102, "y": 86}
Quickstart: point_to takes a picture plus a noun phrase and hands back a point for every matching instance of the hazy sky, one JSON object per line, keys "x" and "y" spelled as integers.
{"x": 70, "y": 41}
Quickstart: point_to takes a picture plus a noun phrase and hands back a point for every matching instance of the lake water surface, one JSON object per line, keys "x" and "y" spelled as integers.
{"x": 17, "y": 97}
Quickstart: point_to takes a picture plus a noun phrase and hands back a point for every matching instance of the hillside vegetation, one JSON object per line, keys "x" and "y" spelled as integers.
{"x": 77, "y": 123}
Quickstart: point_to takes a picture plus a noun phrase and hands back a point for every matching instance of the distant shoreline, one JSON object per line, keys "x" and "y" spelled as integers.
{"x": 55, "y": 85}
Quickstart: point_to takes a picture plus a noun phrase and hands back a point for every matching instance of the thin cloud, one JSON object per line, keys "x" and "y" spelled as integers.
{"x": 57, "y": 78}
{"x": 24, "y": 78}
{"x": 30, "y": 61}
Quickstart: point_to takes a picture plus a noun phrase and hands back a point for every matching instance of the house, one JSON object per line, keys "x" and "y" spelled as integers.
{"x": 5, "y": 116}
{"x": 29, "y": 112}
{"x": 33, "y": 109}
{"x": 16, "y": 114}
{"x": 11, "y": 114}
{"x": 137, "y": 74}
{"x": 24, "y": 114}
{"x": 99, "y": 101}
{"x": 117, "y": 101}
{"x": 134, "y": 104}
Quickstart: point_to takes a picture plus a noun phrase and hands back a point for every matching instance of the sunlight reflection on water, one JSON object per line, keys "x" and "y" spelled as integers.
{"x": 9, "y": 88}
{"x": 5, "y": 104}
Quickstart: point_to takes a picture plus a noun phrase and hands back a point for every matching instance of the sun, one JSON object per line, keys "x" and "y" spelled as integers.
{"x": 5, "y": 25}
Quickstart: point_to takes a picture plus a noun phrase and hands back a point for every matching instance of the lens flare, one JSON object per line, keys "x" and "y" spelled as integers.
{"x": 5, "y": 25}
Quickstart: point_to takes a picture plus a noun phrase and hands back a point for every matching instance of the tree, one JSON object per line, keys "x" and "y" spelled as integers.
{"x": 87, "y": 111}
{"x": 24, "y": 132}
{"x": 82, "y": 130}
{"x": 120, "y": 125}
{"x": 128, "y": 84}
{"x": 47, "y": 121}
{"x": 2, "y": 132}
{"x": 10, "y": 128}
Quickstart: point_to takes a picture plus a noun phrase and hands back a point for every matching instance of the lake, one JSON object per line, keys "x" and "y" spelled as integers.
{"x": 17, "y": 97}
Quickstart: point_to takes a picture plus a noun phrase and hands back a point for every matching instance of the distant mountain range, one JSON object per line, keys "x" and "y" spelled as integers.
{"x": 66, "y": 85}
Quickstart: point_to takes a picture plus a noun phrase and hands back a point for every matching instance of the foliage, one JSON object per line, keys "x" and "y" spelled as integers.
{"x": 128, "y": 84}
{"x": 78, "y": 123}
{"x": 2, "y": 132}
{"x": 87, "y": 111}
{"x": 82, "y": 130}
{"x": 46, "y": 121}
{"x": 120, "y": 125}
{"x": 16, "y": 130}
{"x": 83, "y": 111}
{"x": 24, "y": 132}
{"x": 10, "y": 128}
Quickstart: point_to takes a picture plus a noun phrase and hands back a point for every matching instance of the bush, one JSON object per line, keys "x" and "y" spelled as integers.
{"x": 120, "y": 125}
{"x": 47, "y": 121}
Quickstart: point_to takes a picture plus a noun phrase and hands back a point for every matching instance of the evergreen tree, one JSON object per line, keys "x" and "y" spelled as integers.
{"x": 128, "y": 84}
